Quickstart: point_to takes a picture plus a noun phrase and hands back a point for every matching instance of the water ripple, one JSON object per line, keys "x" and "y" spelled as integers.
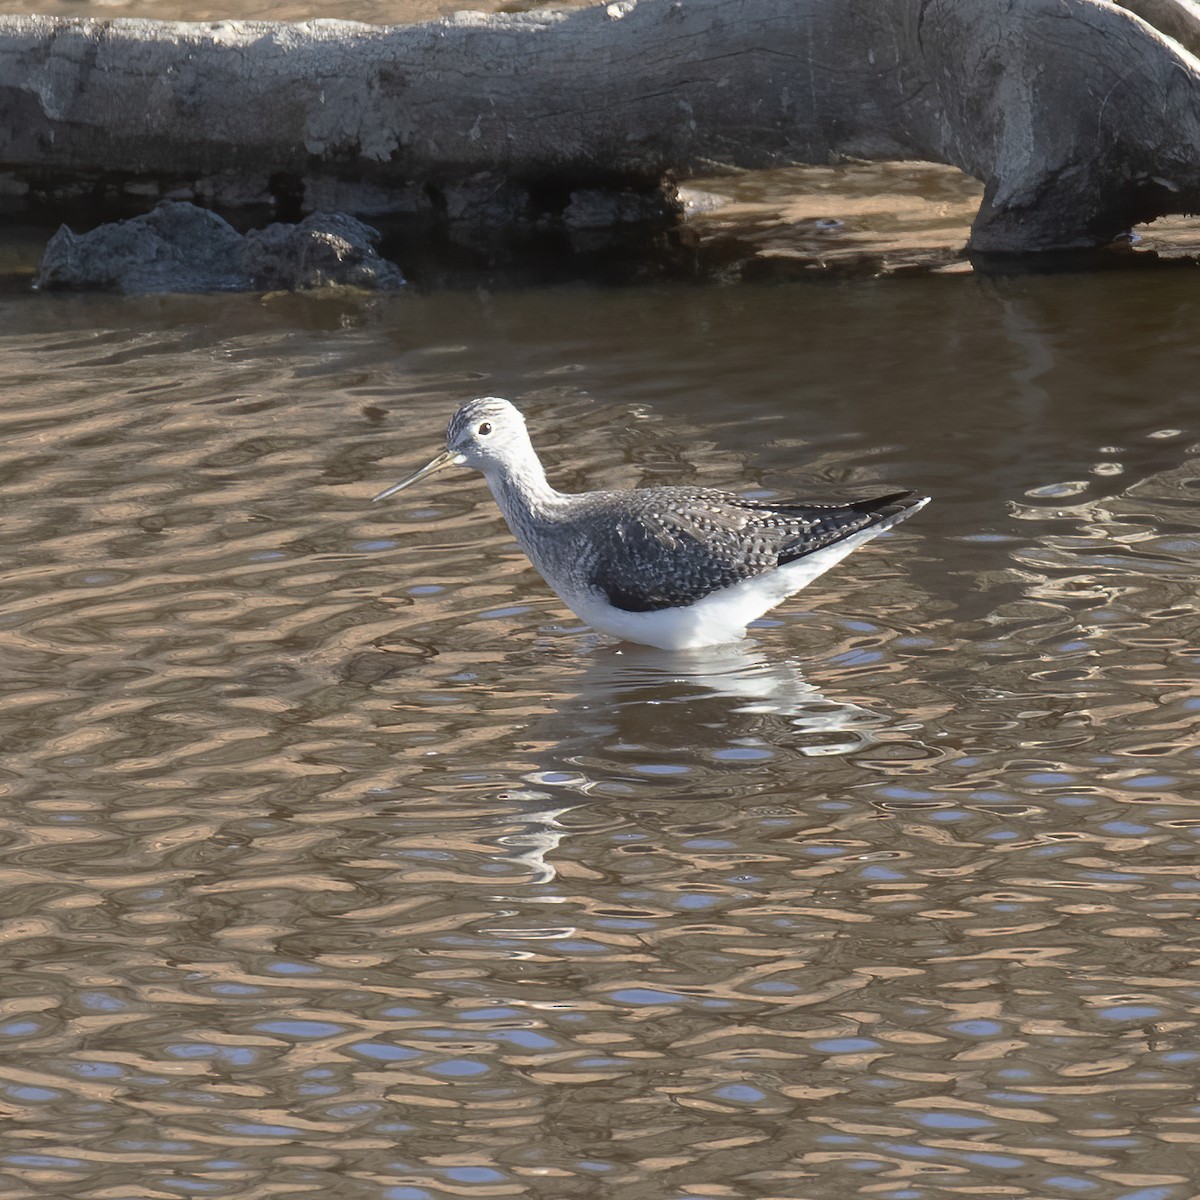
{"x": 338, "y": 857}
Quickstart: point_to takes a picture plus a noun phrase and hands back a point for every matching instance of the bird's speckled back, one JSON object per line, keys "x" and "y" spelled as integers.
{"x": 655, "y": 548}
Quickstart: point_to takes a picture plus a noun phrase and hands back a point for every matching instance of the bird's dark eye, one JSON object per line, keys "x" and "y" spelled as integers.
{"x": 484, "y": 429}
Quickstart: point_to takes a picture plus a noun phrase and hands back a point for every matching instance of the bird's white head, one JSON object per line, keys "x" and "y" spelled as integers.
{"x": 485, "y": 434}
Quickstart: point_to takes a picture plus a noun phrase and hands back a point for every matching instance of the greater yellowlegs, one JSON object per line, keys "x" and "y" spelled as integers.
{"x": 673, "y": 567}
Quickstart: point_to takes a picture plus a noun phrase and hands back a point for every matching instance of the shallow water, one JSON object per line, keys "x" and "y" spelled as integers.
{"x": 338, "y": 858}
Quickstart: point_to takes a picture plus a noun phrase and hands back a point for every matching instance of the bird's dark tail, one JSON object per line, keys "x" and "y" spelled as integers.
{"x": 846, "y": 521}
{"x": 894, "y": 502}
{"x": 886, "y": 511}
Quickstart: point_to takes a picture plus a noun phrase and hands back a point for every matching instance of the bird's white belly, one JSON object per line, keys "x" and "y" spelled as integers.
{"x": 717, "y": 619}
{"x": 722, "y": 616}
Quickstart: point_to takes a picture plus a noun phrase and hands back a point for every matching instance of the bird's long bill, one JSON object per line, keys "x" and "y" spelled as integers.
{"x": 447, "y": 458}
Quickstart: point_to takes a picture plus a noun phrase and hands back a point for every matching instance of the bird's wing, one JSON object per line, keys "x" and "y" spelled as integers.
{"x": 672, "y": 550}
{"x": 820, "y": 525}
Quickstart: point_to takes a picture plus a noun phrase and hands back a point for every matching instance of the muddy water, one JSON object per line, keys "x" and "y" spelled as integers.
{"x": 339, "y": 860}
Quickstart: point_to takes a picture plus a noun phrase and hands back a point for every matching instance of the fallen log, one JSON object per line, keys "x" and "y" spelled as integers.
{"x": 1079, "y": 117}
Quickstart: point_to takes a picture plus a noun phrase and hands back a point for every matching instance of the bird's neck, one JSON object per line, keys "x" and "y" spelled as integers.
{"x": 523, "y": 491}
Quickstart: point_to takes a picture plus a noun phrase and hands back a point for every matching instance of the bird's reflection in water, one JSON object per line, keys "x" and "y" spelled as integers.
{"x": 654, "y": 706}
{"x": 662, "y": 690}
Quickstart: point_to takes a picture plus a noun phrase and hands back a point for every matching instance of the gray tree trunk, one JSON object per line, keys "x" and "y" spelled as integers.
{"x": 1079, "y": 117}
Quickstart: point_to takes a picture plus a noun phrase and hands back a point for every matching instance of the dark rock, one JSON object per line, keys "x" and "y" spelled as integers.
{"x": 181, "y": 248}
{"x": 324, "y": 250}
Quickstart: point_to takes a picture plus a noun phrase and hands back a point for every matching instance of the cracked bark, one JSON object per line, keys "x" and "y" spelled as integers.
{"x": 1080, "y": 118}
